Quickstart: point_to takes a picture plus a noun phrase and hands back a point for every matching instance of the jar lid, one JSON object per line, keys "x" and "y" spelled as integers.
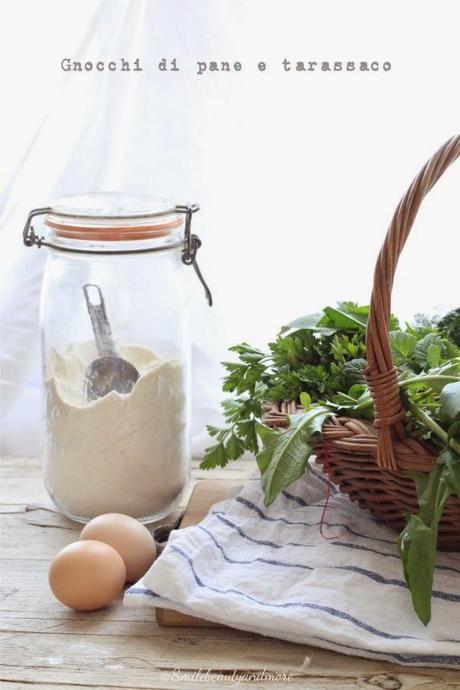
{"x": 113, "y": 216}
{"x": 89, "y": 223}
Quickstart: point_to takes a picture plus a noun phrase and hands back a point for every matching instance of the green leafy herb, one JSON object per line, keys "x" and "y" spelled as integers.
{"x": 450, "y": 326}
{"x": 417, "y": 542}
{"x": 285, "y": 454}
{"x": 450, "y": 402}
{"x": 402, "y": 345}
{"x": 417, "y": 547}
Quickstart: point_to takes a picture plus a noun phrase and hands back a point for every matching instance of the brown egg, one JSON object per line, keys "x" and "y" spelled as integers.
{"x": 129, "y": 537}
{"x": 87, "y": 575}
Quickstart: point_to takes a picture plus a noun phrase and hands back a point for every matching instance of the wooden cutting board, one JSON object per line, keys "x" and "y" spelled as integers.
{"x": 204, "y": 495}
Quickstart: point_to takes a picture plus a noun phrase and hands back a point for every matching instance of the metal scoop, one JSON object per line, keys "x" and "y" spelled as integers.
{"x": 109, "y": 372}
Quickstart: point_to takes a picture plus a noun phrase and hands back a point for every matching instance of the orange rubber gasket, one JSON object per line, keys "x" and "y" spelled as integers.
{"x": 113, "y": 233}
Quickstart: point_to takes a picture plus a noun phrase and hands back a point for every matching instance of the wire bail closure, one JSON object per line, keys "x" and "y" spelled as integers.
{"x": 190, "y": 244}
{"x": 30, "y": 238}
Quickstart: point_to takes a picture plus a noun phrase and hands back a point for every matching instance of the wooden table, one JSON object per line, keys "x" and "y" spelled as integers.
{"x": 46, "y": 646}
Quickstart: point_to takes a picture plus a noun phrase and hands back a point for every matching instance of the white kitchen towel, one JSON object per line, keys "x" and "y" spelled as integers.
{"x": 270, "y": 571}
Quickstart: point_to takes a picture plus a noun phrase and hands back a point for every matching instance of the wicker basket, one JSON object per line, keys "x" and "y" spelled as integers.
{"x": 368, "y": 461}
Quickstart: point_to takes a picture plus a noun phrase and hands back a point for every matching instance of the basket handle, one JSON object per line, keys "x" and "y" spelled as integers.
{"x": 381, "y": 375}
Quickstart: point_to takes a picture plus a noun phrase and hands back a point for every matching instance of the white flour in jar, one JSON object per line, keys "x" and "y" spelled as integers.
{"x": 120, "y": 453}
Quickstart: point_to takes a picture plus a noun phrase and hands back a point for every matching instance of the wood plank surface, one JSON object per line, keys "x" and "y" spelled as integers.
{"x": 47, "y": 647}
{"x": 204, "y": 495}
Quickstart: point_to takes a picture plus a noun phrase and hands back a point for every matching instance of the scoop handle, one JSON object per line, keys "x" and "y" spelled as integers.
{"x": 99, "y": 321}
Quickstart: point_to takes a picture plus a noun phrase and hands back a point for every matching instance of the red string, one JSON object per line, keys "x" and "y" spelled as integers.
{"x": 327, "y": 467}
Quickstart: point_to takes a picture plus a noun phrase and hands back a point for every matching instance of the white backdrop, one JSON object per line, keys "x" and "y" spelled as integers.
{"x": 297, "y": 173}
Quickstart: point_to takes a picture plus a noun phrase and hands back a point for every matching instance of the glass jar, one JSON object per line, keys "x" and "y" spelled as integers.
{"x": 115, "y": 352}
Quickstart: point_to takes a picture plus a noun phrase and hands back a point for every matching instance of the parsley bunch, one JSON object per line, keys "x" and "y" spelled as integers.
{"x": 319, "y": 355}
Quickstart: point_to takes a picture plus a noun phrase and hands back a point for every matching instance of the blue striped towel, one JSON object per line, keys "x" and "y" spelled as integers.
{"x": 270, "y": 571}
